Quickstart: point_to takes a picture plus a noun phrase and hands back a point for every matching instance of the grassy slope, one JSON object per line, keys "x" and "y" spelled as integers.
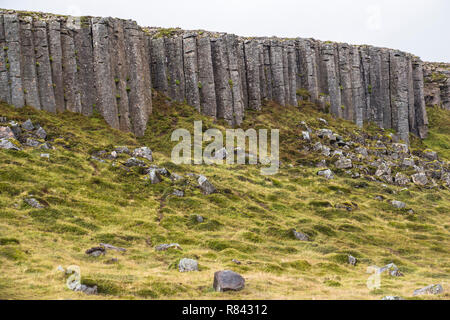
{"x": 249, "y": 219}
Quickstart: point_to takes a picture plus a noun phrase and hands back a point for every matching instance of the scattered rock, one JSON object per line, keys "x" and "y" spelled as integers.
{"x": 154, "y": 176}
{"x": 6, "y": 133}
{"x": 236, "y": 261}
{"x": 344, "y": 163}
{"x": 401, "y": 179}
{"x": 28, "y": 125}
{"x": 228, "y": 280}
{"x": 45, "y": 155}
{"x": 32, "y": 143}
{"x": 122, "y": 149}
{"x": 133, "y": 162}
{"x": 398, "y": 204}
{"x": 143, "y": 152}
{"x": 34, "y": 203}
{"x": 400, "y": 148}
{"x": 323, "y": 121}
{"x": 206, "y": 186}
{"x": 187, "y": 265}
{"x": 8, "y": 145}
{"x": 383, "y": 169}
{"x": 431, "y": 289}
{"x": 221, "y": 154}
{"x": 199, "y": 218}
{"x": 391, "y": 268}
{"x": 420, "y": 179}
{"x": 300, "y": 235}
{"x": 430, "y": 155}
{"x": 45, "y": 146}
{"x": 306, "y": 136}
{"x": 164, "y": 247}
{"x": 392, "y": 298}
{"x": 408, "y": 162}
{"x": 325, "y": 133}
{"x": 111, "y": 247}
{"x": 112, "y": 261}
{"x": 352, "y": 260}
{"x": 96, "y": 251}
{"x": 328, "y": 174}
{"x": 41, "y": 134}
{"x": 86, "y": 289}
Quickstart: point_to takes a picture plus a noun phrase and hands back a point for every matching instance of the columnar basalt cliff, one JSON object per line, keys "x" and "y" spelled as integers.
{"x": 437, "y": 84}
{"x": 58, "y": 63}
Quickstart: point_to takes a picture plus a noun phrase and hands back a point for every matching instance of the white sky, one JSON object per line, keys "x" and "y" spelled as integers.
{"x": 421, "y": 27}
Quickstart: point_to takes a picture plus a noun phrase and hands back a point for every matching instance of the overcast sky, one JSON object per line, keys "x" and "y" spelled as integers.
{"x": 421, "y": 27}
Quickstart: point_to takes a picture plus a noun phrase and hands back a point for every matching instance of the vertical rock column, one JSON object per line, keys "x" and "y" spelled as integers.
{"x": 399, "y": 94}
{"x": 224, "y": 96}
{"x": 175, "y": 76}
{"x": 374, "y": 90}
{"x": 332, "y": 80}
{"x": 12, "y": 39}
{"x": 358, "y": 91}
{"x": 119, "y": 66}
{"x": 385, "y": 89}
{"x": 266, "y": 79}
{"x": 5, "y": 94}
{"x": 159, "y": 66}
{"x": 365, "y": 67}
{"x": 277, "y": 72}
{"x": 85, "y": 66}
{"x": 191, "y": 70}
{"x": 411, "y": 106}
{"x": 243, "y": 72}
{"x": 44, "y": 70}
{"x": 308, "y": 68}
{"x": 231, "y": 42}
{"x": 252, "y": 65}
{"x": 104, "y": 79}
{"x": 55, "y": 50}
{"x": 419, "y": 100}
{"x": 29, "y": 75}
{"x": 70, "y": 68}
{"x": 206, "y": 77}
{"x": 345, "y": 73}
{"x": 139, "y": 83}
{"x": 292, "y": 72}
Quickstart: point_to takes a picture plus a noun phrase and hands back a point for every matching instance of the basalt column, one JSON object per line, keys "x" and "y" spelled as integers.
{"x": 368, "y": 113}
{"x": 419, "y": 101}
{"x": 266, "y": 80}
{"x": 235, "y": 78}
{"x": 385, "y": 89}
{"x": 206, "y": 77}
{"x": 399, "y": 94}
{"x": 243, "y": 73}
{"x": 332, "y": 80}
{"x": 307, "y": 66}
{"x": 55, "y": 50}
{"x": 292, "y": 72}
{"x": 44, "y": 70}
{"x": 175, "y": 72}
{"x": 222, "y": 81}
{"x": 411, "y": 106}
{"x": 139, "y": 81}
{"x": 85, "y": 66}
{"x": 358, "y": 91}
{"x": 159, "y": 66}
{"x": 277, "y": 72}
{"x": 374, "y": 87}
{"x": 191, "y": 70}
{"x": 72, "y": 95}
{"x": 29, "y": 75}
{"x": 5, "y": 94}
{"x": 253, "y": 65}
{"x": 104, "y": 79}
{"x": 345, "y": 73}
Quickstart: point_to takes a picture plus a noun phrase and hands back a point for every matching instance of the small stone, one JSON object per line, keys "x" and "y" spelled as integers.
{"x": 400, "y": 148}
{"x": 306, "y": 136}
{"x": 164, "y": 246}
{"x": 133, "y": 162}
{"x": 325, "y": 133}
{"x": 112, "y": 261}
{"x": 392, "y": 298}
{"x": 236, "y": 261}
{"x": 187, "y": 265}
{"x": 420, "y": 179}
{"x": 352, "y": 260}
{"x": 178, "y": 193}
{"x": 431, "y": 289}
{"x": 344, "y": 163}
{"x": 327, "y": 174}
{"x": 408, "y": 162}
{"x": 28, "y": 125}
{"x": 383, "y": 169}
{"x": 199, "y": 218}
{"x": 45, "y": 146}
{"x": 221, "y": 154}
{"x": 228, "y": 280}
{"x": 6, "y": 133}
{"x": 122, "y": 149}
{"x": 61, "y": 269}
{"x": 401, "y": 179}
{"x": 34, "y": 203}
{"x": 398, "y": 204}
{"x": 362, "y": 151}
{"x": 143, "y": 152}
{"x": 430, "y": 155}
{"x": 32, "y": 143}
{"x": 8, "y": 145}
{"x": 300, "y": 236}
{"x": 154, "y": 176}
{"x": 45, "y": 155}
{"x": 323, "y": 121}
{"x": 96, "y": 251}
{"x": 41, "y": 134}
{"x": 206, "y": 186}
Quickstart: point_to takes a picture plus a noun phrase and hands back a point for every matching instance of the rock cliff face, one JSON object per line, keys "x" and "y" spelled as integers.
{"x": 58, "y": 63}
{"x": 437, "y": 84}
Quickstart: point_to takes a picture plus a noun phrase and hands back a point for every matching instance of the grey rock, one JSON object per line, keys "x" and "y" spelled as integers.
{"x": 408, "y": 162}
{"x": 325, "y": 133}
{"x": 143, "y": 152}
{"x": 28, "y": 125}
{"x": 306, "y": 136}
{"x": 45, "y": 155}
{"x": 431, "y": 155}
{"x": 420, "y": 179}
{"x": 206, "y": 186}
{"x": 328, "y": 174}
{"x": 178, "y": 193}
{"x": 352, "y": 260}
{"x": 164, "y": 247}
{"x": 398, "y": 204}
{"x": 86, "y": 289}
{"x": 41, "y": 134}
{"x": 392, "y": 298}
{"x": 300, "y": 236}
{"x": 8, "y": 145}
{"x": 46, "y": 146}
{"x": 133, "y": 162}
{"x": 32, "y": 143}
{"x": 344, "y": 163}
{"x": 236, "y": 261}
{"x": 400, "y": 148}
{"x": 221, "y": 154}
{"x": 383, "y": 169}
{"x": 154, "y": 176}
{"x": 34, "y": 203}
{"x": 122, "y": 149}
{"x": 323, "y": 121}
{"x": 431, "y": 289}
{"x": 228, "y": 280}
{"x": 199, "y": 218}
{"x": 401, "y": 179}
{"x": 187, "y": 265}
{"x": 7, "y": 133}
{"x": 96, "y": 251}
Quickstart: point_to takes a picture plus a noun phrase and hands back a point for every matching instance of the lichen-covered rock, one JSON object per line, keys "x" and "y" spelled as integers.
{"x": 187, "y": 265}
{"x": 41, "y": 133}
{"x": 154, "y": 176}
{"x": 300, "y": 236}
{"x": 420, "y": 179}
{"x": 431, "y": 289}
{"x": 398, "y": 204}
{"x": 6, "y": 133}
{"x": 164, "y": 247}
{"x": 228, "y": 280}
{"x": 327, "y": 174}
{"x": 205, "y": 185}
{"x": 344, "y": 163}
{"x": 28, "y": 125}
{"x": 352, "y": 260}
{"x": 143, "y": 152}
{"x": 401, "y": 179}
{"x": 34, "y": 203}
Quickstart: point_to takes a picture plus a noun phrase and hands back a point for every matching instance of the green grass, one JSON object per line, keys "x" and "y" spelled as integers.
{"x": 250, "y": 219}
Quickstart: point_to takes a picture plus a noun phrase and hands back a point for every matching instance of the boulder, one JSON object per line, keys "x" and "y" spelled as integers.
{"x": 420, "y": 179}
{"x": 431, "y": 289}
{"x": 178, "y": 193}
{"x": 392, "y": 298}
{"x": 133, "y": 162}
{"x": 143, "y": 152}
{"x": 187, "y": 265}
{"x": 228, "y": 280}
{"x": 154, "y": 176}
{"x": 300, "y": 235}
{"x": 8, "y": 145}
{"x": 430, "y": 155}
{"x": 6, "y": 133}
{"x": 164, "y": 246}
{"x": 205, "y": 185}
{"x": 343, "y": 163}
{"x": 28, "y": 125}
{"x": 327, "y": 174}
{"x": 40, "y": 133}
{"x": 398, "y": 204}
{"x": 401, "y": 179}
{"x": 34, "y": 203}
{"x": 96, "y": 251}
{"x": 352, "y": 260}
{"x": 32, "y": 143}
